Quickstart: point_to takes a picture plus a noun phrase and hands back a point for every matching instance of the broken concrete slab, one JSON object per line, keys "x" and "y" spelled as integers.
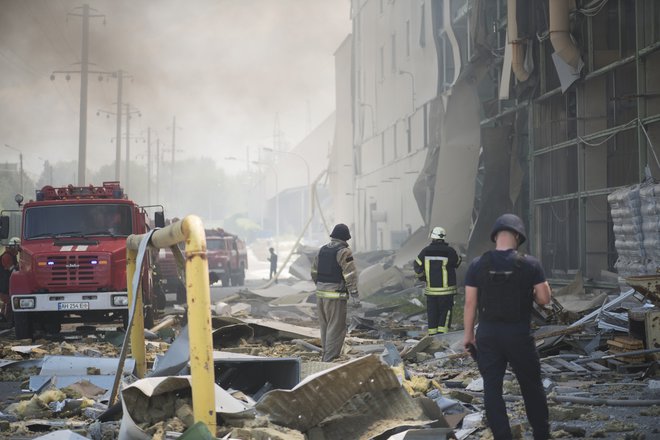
{"x": 139, "y": 397}
{"x": 422, "y": 434}
{"x": 302, "y": 408}
{"x": 573, "y": 297}
{"x": 275, "y": 291}
{"x": 301, "y": 267}
{"x": 285, "y": 330}
{"x": 78, "y": 365}
{"x": 379, "y": 278}
{"x": 65, "y": 434}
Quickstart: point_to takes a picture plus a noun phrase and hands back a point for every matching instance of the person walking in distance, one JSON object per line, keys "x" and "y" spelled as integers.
{"x": 436, "y": 265}
{"x": 273, "y": 264}
{"x": 334, "y": 273}
{"x": 502, "y": 285}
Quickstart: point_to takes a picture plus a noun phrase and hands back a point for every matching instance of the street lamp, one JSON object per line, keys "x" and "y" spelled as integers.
{"x": 277, "y": 201}
{"x": 302, "y": 194}
{"x": 20, "y": 155}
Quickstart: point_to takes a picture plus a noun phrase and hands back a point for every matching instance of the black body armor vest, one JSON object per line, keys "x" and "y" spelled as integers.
{"x": 329, "y": 270}
{"x": 504, "y": 296}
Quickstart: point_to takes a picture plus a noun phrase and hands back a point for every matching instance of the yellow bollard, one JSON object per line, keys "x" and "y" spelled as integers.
{"x": 199, "y": 322}
{"x": 137, "y": 329}
{"x": 202, "y": 369}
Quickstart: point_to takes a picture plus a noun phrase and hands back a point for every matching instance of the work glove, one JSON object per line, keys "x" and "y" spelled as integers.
{"x": 354, "y": 300}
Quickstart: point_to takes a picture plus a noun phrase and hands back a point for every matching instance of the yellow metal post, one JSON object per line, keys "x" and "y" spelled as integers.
{"x": 137, "y": 329}
{"x": 199, "y": 319}
{"x": 191, "y": 231}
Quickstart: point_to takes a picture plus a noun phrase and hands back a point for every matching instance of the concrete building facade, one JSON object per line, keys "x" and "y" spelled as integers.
{"x": 463, "y": 110}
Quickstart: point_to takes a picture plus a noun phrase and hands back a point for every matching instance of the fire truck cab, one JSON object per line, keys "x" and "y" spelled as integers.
{"x": 227, "y": 257}
{"x": 72, "y": 265}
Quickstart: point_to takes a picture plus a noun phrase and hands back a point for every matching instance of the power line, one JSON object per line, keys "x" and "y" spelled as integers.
{"x": 57, "y": 27}
{"x": 41, "y": 28}
{"x": 24, "y": 68}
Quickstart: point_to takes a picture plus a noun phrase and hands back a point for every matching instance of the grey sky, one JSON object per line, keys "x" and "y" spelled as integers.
{"x": 225, "y": 68}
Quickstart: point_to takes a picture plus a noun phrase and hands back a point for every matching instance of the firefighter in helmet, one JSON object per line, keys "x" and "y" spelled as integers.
{"x": 436, "y": 265}
{"x": 335, "y": 275}
{"x": 8, "y": 264}
{"x": 502, "y": 285}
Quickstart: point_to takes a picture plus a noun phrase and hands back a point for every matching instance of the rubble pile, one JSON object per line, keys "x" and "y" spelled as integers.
{"x": 598, "y": 352}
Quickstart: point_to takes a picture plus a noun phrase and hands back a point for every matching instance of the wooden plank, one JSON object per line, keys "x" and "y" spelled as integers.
{"x": 596, "y": 366}
{"x": 549, "y": 368}
{"x": 570, "y": 366}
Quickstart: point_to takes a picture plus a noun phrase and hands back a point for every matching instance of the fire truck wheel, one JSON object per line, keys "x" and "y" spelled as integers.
{"x": 240, "y": 278}
{"x": 148, "y": 317}
{"x": 52, "y": 327}
{"x": 224, "y": 278}
{"x": 161, "y": 299}
{"x": 181, "y": 297}
{"x": 22, "y": 326}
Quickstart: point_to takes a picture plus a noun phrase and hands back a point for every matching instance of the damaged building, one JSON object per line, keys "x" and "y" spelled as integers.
{"x": 453, "y": 112}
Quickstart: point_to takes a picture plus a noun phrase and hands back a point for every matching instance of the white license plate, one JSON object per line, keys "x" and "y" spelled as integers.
{"x": 73, "y": 306}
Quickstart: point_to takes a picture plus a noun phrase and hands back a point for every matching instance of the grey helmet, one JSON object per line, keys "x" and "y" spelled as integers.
{"x": 512, "y": 223}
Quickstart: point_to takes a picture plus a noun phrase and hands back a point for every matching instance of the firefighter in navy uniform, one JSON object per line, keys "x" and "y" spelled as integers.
{"x": 334, "y": 273}
{"x": 501, "y": 285}
{"x": 436, "y": 265}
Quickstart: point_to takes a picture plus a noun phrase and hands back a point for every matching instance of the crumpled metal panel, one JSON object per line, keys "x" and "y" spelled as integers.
{"x": 322, "y": 394}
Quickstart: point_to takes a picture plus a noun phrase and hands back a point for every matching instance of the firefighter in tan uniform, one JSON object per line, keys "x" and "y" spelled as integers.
{"x": 335, "y": 276}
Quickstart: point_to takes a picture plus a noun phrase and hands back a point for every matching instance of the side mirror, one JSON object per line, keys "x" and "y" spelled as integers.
{"x": 159, "y": 219}
{"x": 4, "y": 226}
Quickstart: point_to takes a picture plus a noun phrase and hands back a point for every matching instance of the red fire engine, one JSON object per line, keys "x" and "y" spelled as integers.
{"x": 227, "y": 257}
{"x": 72, "y": 265}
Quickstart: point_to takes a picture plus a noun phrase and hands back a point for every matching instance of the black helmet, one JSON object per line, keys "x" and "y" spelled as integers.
{"x": 512, "y": 223}
{"x": 341, "y": 232}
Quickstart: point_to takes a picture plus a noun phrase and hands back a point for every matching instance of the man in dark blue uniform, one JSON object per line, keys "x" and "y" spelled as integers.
{"x": 436, "y": 265}
{"x": 501, "y": 285}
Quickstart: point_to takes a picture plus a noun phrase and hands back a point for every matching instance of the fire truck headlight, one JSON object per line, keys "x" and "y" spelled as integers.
{"x": 26, "y": 303}
{"x": 120, "y": 300}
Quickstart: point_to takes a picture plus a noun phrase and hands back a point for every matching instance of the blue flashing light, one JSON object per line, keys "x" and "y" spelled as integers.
{"x": 51, "y": 263}
{"x": 94, "y": 262}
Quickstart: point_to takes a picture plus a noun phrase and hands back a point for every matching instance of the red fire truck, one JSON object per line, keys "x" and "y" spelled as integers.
{"x": 72, "y": 265}
{"x": 227, "y": 256}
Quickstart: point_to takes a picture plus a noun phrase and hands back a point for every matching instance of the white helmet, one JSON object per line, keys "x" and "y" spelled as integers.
{"x": 438, "y": 233}
{"x": 14, "y": 241}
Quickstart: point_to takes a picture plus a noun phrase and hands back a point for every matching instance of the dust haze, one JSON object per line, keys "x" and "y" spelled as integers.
{"x": 227, "y": 69}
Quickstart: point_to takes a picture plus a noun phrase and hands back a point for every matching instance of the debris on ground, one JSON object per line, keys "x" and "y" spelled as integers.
{"x": 599, "y": 356}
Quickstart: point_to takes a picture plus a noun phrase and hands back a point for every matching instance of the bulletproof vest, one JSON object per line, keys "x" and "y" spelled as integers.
{"x": 504, "y": 296}
{"x": 329, "y": 271}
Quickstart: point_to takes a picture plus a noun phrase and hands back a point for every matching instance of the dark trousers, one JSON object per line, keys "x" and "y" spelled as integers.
{"x": 499, "y": 343}
{"x": 438, "y": 311}
{"x": 273, "y": 272}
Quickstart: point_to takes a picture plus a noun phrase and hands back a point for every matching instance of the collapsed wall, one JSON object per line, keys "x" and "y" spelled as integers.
{"x": 635, "y": 215}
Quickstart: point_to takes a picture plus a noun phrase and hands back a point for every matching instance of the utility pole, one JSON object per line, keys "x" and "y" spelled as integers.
{"x": 20, "y": 158}
{"x": 149, "y": 166}
{"x": 84, "y": 66}
{"x": 120, "y": 78}
{"x": 158, "y": 170}
{"x": 119, "y": 75}
{"x": 129, "y": 112}
{"x": 174, "y": 128}
{"x": 128, "y": 147}
{"x": 82, "y": 136}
